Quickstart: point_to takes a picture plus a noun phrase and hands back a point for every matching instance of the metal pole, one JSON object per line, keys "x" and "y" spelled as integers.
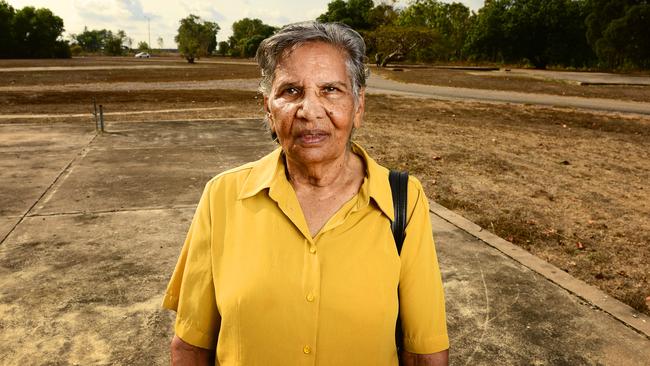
{"x": 101, "y": 118}
{"x": 149, "y": 33}
{"x": 95, "y": 113}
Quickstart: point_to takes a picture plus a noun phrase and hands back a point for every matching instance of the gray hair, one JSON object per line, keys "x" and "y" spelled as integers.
{"x": 291, "y": 36}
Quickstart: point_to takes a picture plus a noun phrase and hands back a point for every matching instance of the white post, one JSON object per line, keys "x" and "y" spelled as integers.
{"x": 149, "y": 32}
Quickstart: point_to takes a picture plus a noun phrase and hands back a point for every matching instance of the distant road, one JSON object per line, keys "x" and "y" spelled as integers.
{"x": 380, "y": 85}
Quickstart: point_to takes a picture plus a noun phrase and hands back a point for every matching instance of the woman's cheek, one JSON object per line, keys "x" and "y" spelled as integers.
{"x": 283, "y": 106}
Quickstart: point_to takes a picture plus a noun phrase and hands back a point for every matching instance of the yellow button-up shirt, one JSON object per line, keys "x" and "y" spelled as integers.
{"x": 252, "y": 282}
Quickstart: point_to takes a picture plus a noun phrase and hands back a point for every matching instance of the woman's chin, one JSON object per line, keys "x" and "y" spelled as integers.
{"x": 314, "y": 154}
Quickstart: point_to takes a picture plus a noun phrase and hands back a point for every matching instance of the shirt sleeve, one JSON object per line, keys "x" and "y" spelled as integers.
{"x": 421, "y": 296}
{"x": 191, "y": 291}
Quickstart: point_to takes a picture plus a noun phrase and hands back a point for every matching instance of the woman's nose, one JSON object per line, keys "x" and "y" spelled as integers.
{"x": 311, "y": 107}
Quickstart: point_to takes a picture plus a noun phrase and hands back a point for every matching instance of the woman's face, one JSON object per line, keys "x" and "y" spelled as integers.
{"x": 311, "y": 106}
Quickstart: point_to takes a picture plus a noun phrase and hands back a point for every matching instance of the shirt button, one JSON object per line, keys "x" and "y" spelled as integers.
{"x": 306, "y": 350}
{"x": 312, "y": 250}
{"x": 310, "y": 297}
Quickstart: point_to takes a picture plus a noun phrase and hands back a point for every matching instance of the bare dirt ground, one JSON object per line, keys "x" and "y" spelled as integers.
{"x": 107, "y": 61}
{"x": 570, "y": 187}
{"x": 519, "y": 83}
{"x": 52, "y": 102}
{"x": 179, "y": 72}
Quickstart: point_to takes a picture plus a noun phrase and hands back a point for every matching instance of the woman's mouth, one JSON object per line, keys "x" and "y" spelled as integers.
{"x": 311, "y": 137}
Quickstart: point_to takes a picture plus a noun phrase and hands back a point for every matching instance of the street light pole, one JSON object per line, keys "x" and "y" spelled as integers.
{"x": 149, "y": 32}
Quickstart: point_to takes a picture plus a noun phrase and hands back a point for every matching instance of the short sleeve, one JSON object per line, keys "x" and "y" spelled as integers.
{"x": 191, "y": 291}
{"x": 421, "y": 296}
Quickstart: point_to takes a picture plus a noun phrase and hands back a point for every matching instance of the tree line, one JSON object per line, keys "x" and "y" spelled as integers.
{"x": 609, "y": 34}
{"x": 197, "y": 38}
{"x": 569, "y": 33}
{"x": 30, "y": 33}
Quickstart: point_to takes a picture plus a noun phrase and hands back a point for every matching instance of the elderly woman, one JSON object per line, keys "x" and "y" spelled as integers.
{"x": 290, "y": 260}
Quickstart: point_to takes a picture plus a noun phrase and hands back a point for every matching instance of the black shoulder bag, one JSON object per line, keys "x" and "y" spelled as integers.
{"x": 399, "y": 189}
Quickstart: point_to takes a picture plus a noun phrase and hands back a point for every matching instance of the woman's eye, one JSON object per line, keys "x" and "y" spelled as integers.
{"x": 330, "y": 89}
{"x": 291, "y": 91}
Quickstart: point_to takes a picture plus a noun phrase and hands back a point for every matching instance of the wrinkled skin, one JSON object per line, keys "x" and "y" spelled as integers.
{"x": 311, "y": 106}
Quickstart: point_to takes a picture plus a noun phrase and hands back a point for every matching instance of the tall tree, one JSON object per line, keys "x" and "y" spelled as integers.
{"x": 91, "y": 40}
{"x": 7, "y": 13}
{"x": 383, "y": 14}
{"x": 487, "y": 38}
{"x": 223, "y": 48}
{"x": 37, "y": 32}
{"x": 630, "y": 36}
{"x": 601, "y": 13}
{"x": 196, "y": 38}
{"x": 355, "y": 13}
{"x": 399, "y": 42}
{"x": 451, "y": 21}
{"x": 247, "y": 34}
{"x": 114, "y": 43}
{"x": 618, "y": 32}
{"x": 143, "y": 46}
{"x": 540, "y": 31}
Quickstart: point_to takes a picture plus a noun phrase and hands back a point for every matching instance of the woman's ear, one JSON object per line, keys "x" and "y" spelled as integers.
{"x": 361, "y": 107}
{"x": 266, "y": 105}
{"x": 268, "y": 116}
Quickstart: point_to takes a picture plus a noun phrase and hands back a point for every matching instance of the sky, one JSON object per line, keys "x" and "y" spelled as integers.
{"x": 150, "y": 19}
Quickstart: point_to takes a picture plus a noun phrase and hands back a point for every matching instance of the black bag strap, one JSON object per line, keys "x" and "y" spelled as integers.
{"x": 399, "y": 189}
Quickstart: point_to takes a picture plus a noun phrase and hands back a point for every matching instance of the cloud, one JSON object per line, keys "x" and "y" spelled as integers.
{"x": 272, "y": 17}
{"x": 204, "y": 9}
{"x": 471, "y": 4}
{"x": 112, "y": 10}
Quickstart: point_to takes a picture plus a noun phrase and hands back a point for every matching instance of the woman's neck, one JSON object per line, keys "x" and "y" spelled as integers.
{"x": 327, "y": 174}
{"x": 322, "y": 189}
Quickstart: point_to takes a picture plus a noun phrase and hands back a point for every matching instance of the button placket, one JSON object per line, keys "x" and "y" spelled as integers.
{"x": 311, "y": 291}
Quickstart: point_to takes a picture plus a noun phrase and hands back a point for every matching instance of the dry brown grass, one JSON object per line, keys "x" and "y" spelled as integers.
{"x": 180, "y": 73}
{"x": 570, "y": 187}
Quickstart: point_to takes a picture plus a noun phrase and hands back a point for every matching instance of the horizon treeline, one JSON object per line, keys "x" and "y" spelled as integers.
{"x": 603, "y": 34}
{"x": 611, "y": 34}
{"x": 31, "y": 33}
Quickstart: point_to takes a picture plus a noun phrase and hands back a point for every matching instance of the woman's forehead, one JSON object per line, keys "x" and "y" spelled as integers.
{"x": 312, "y": 56}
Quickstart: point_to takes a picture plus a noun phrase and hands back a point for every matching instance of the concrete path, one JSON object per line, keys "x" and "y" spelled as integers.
{"x": 91, "y": 227}
{"x": 380, "y": 85}
{"x": 503, "y": 312}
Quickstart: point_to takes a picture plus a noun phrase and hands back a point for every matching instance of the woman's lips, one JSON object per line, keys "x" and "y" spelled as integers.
{"x": 312, "y": 136}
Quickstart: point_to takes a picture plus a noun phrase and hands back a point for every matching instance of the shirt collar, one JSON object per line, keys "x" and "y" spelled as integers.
{"x": 377, "y": 185}
{"x": 262, "y": 174}
{"x": 265, "y": 172}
